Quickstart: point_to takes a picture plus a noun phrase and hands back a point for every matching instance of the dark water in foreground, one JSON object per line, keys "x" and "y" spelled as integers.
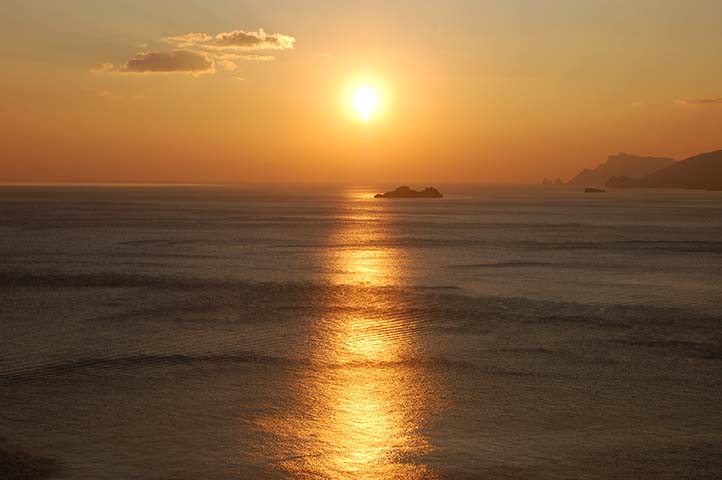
{"x": 229, "y": 333}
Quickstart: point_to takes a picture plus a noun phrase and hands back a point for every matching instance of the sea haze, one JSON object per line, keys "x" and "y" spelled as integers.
{"x": 316, "y": 332}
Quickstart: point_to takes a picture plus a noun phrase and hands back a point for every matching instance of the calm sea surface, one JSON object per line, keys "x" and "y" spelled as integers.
{"x": 182, "y": 333}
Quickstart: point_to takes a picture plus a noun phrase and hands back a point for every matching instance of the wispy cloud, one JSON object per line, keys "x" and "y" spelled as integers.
{"x": 235, "y": 40}
{"x": 699, "y": 101}
{"x": 189, "y": 39}
{"x": 103, "y": 68}
{"x": 107, "y": 94}
{"x": 249, "y": 57}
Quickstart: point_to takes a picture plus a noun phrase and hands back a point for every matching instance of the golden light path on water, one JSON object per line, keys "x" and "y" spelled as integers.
{"x": 366, "y": 401}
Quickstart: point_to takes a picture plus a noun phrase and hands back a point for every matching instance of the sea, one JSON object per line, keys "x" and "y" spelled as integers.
{"x": 204, "y": 332}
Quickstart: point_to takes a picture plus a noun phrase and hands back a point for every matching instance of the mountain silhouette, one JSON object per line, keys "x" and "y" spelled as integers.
{"x": 701, "y": 172}
{"x": 621, "y": 165}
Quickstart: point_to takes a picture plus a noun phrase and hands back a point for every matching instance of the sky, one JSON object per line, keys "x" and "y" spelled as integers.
{"x": 236, "y": 91}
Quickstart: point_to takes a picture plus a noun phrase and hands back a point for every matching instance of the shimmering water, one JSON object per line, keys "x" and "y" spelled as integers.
{"x": 299, "y": 332}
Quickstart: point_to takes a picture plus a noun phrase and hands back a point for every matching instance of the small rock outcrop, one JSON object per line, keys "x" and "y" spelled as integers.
{"x": 406, "y": 192}
{"x": 594, "y": 190}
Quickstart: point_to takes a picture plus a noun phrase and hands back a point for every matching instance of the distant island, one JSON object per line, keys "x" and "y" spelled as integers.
{"x": 622, "y": 164}
{"x": 406, "y": 192}
{"x": 701, "y": 172}
{"x": 594, "y": 190}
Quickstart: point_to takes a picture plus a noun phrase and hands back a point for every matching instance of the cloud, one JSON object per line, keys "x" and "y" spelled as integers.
{"x": 228, "y": 65}
{"x": 103, "y": 68}
{"x": 227, "y": 60}
{"x": 251, "y": 57}
{"x": 236, "y": 40}
{"x": 189, "y": 39}
{"x": 107, "y": 94}
{"x": 259, "y": 40}
{"x": 198, "y": 53}
{"x": 177, "y": 61}
{"x": 699, "y": 101}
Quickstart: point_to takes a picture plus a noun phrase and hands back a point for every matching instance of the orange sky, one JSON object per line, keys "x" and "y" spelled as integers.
{"x": 474, "y": 91}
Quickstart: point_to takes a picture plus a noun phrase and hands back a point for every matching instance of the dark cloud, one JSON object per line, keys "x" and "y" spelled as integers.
{"x": 183, "y": 61}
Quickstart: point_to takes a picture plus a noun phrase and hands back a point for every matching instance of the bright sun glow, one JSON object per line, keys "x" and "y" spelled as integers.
{"x": 365, "y": 101}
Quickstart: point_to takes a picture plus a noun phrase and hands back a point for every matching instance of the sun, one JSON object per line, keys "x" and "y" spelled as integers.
{"x": 366, "y": 102}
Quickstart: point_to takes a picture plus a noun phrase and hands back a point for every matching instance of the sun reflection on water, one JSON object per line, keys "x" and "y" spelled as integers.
{"x": 362, "y": 406}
